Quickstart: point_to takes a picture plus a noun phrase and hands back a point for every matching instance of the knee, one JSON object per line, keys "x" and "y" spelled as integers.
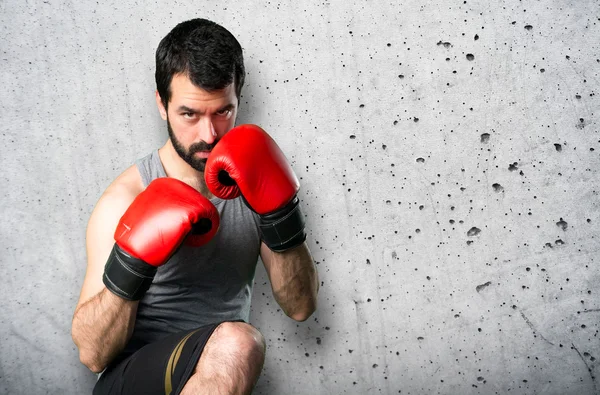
{"x": 241, "y": 339}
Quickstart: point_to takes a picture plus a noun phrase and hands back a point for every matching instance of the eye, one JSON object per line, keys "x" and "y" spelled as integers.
{"x": 188, "y": 115}
{"x": 224, "y": 113}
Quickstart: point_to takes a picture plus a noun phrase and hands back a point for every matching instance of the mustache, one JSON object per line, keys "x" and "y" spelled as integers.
{"x": 201, "y": 146}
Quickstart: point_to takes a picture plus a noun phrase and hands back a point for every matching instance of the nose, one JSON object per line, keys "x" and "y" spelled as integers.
{"x": 207, "y": 131}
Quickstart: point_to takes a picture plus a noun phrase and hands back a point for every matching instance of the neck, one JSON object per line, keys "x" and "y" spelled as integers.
{"x": 176, "y": 167}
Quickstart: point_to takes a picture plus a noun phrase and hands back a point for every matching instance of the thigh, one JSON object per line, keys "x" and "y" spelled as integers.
{"x": 162, "y": 367}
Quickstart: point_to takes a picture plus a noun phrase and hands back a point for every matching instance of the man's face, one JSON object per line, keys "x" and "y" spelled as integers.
{"x": 197, "y": 119}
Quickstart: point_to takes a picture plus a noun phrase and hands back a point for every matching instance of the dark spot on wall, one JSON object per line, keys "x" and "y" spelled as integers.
{"x": 446, "y": 44}
{"x": 497, "y": 187}
{"x": 476, "y": 37}
{"x": 420, "y": 160}
{"x": 558, "y": 147}
{"x": 528, "y": 27}
{"x": 470, "y": 56}
{"x": 474, "y": 231}
{"x": 481, "y": 287}
{"x": 562, "y": 224}
{"x": 485, "y": 137}
{"x": 513, "y": 166}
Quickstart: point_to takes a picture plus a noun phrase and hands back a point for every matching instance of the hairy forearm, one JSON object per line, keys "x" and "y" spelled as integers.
{"x": 295, "y": 281}
{"x": 101, "y": 328}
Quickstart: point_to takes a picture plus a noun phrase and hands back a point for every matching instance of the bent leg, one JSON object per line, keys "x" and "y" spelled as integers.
{"x": 230, "y": 363}
{"x": 157, "y": 368}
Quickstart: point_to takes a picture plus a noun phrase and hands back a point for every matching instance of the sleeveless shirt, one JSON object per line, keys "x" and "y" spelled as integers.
{"x": 199, "y": 285}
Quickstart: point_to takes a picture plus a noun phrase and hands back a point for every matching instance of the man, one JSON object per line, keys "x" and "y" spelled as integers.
{"x": 166, "y": 296}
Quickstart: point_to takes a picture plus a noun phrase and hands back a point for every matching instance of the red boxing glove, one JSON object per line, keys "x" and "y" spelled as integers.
{"x": 247, "y": 161}
{"x": 166, "y": 214}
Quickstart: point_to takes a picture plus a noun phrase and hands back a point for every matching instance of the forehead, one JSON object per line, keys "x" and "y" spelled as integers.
{"x": 182, "y": 90}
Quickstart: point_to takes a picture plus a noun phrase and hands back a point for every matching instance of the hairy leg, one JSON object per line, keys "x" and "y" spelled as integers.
{"x": 230, "y": 363}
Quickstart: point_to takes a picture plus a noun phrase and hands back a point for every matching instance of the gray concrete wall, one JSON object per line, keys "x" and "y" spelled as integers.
{"x": 449, "y": 160}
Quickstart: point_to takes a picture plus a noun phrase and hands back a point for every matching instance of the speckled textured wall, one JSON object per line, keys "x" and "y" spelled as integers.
{"x": 449, "y": 158}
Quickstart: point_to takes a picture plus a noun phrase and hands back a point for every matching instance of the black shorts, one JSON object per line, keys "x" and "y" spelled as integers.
{"x": 162, "y": 367}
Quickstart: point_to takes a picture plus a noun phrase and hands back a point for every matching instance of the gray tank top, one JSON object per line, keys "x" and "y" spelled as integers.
{"x": 200, "y": 285}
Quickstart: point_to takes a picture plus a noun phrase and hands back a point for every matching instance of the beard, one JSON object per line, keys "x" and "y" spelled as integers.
{"x": 188, "y": 155}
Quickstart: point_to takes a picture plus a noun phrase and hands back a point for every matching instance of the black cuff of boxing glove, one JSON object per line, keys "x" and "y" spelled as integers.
{"x": 127, "y": 276}
{"x": 284, "y": 228}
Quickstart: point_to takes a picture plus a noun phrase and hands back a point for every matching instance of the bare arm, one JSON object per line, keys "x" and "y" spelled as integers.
{"x": 294, "y": 280}
{"x": 103, "y": 322}
{"x": 101, "y": 328}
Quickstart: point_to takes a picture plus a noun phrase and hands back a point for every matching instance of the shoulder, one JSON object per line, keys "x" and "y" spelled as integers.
{"x": 127, "y": 185}
{"x": 117, "y": 197}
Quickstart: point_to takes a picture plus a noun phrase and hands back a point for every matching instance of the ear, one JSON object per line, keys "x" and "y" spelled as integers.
{"x": 161, "y": 108}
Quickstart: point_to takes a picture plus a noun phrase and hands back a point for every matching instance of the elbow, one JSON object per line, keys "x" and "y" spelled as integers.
{"x": 89, "y": 358}
{"x": 91, "y": 362}
{"x": 303, "y": 314}
{"x": 300, "y": 317}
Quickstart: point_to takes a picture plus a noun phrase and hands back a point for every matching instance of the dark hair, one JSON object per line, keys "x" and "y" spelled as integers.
{"x": 206, "y": 52}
